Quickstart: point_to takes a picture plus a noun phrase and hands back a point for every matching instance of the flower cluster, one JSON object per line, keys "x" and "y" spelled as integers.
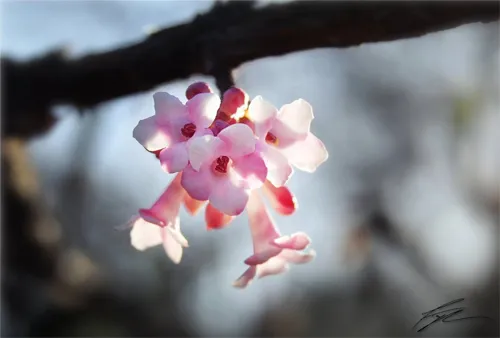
{"x": 223, "y": 152}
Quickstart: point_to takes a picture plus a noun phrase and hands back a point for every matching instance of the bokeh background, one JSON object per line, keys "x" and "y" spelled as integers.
{"x": 403, "y": 215}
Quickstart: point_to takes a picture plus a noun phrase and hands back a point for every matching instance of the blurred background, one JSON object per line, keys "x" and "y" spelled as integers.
{"x": 403, "y": 215}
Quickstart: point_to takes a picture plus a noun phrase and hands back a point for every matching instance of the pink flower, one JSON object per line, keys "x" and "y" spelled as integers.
{"x": 224, "y": 169}
{"x": 272, "y": 252}
{"x": 285, "y": 137}
{"x": 174, "y": 124}
{"x": 224, "y": 152}
{"x": 160, "y": 223}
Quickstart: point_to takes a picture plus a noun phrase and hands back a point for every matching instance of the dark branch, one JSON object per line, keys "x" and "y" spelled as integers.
{"x": 213, "y": 44}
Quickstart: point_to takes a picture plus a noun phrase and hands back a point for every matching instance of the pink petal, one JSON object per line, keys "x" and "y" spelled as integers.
{"x": 252, "y": 169}
{"x": 198, "y": 184}
{"x": 166, "y": 208}
{"x": 262, "y": 256}
{"x": 145, "y": 235}
{"x": 279, "y": 170}
{"x": 203, "y": 109}
{"x": 201, "y": 132}
{"x": 204, "y": 150}
{"x": 308, "y": 154}
{"x": 239, "y": 139}
{"x": 261, "y": 113}
{"x": 151, "y": 135}
{"x": 280, "y": 263}
{"x": 246, "y": 278}
{"x": 153, "y": 217}
{"x": 174, "y": 158}
{"x": 282, "y": 200}
{"x": 193, "y": 206}
{"x": 175, "y": 126}
{"x": 263, "y": 231}
{"x": 296, "y": 118}
{"x": 216, "y": 219}
{"x": 298, "y": 241}
{"x": 168, "y": 108}
{"x": 228, "y": 197}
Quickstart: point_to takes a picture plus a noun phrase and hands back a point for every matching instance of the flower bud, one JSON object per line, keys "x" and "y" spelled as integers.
{"x": 235, "y": 100}
{"x": 197, "y": 88}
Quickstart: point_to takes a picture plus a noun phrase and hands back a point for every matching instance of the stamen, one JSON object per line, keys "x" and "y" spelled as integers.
{"x": 271, "y": 139}
{"x": 221, "y": 164}
{"x": 188, "y": 130}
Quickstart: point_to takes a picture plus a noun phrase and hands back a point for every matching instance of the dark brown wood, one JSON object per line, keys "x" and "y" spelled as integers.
{"x": 214, "y": 43}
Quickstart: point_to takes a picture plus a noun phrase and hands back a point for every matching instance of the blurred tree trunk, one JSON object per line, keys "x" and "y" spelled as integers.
{"x": 29, "y": 242}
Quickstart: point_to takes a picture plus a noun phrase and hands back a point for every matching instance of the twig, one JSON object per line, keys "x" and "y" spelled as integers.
{"x": 234, "y": 33}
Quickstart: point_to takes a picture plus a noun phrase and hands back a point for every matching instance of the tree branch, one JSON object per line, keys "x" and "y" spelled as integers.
{"x": 214, "y": 43}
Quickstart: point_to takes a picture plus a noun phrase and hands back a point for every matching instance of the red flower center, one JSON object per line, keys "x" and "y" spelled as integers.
{"x": 271, "y": 139}
{"x": 221, "y": 164}
{"x": 188, "y": 130}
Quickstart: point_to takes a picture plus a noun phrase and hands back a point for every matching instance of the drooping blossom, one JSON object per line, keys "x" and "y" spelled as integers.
{"x": 160, "y": 224}
{"x": 286, "y": 138}
{"x": 173, "y": 124}
{"x": 226, "y": 151}
{"x": 272, "y": 252}
{"x": 224, "y": 169}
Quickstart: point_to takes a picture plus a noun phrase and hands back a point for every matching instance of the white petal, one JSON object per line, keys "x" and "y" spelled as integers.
{"x": 177, "y": 235}
{"x": 151, "y": 135}
{"x": 261, "y": 113}
{"x": 278, "y": 168}
{"x": 297, "y": 257}
{"x": 203, "y": 109}
{"x": 168, "y": 108}
{"x": 203, "y": 149}
{"x": 175, "y": 231}
{"x": 306, "y": 155}
{"x": 171, "y": 245}
{"x": 273, "y": 266}
{"x": 239, "y": 138}
{"x": 145, "y": 235}
{"x": 297, "y": 117}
